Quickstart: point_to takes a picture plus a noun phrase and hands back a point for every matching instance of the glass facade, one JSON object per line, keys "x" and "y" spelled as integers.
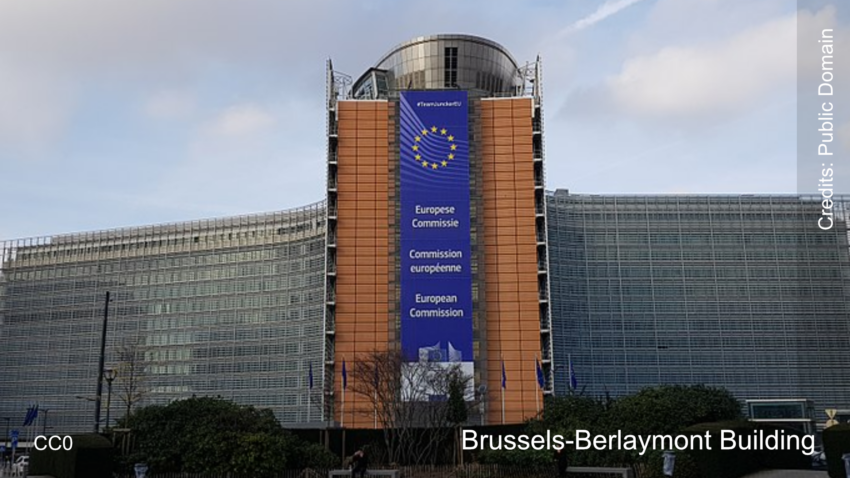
{"x": 230, "y": 307}
{"x": 744, "y": 292}
{"x": 438, "y": 62}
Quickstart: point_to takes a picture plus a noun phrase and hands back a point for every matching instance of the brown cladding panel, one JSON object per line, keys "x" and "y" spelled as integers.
{"x": 513, "y": 328}
{"x": 363, "y": 240}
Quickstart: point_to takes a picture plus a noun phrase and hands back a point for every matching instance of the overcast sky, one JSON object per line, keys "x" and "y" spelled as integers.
{"x": 147, "y": 111}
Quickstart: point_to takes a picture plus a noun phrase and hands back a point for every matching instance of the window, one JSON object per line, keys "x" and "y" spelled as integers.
{"x": 450, "y": 67}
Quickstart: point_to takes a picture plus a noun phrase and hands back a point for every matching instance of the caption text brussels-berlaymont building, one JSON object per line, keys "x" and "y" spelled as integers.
{"x": 437, "y": 238}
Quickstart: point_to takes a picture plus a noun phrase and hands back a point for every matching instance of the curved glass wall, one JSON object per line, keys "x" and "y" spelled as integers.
{"x": 444, "y": 62}
{"x": 742, "y": 292}
{"x": 230, "y": 307}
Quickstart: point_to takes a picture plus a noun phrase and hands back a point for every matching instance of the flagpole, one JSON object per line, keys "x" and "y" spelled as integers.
{"x": 342, "y": 413}
{"x": 537, "y": 386}
{"x": 504, "y": 379}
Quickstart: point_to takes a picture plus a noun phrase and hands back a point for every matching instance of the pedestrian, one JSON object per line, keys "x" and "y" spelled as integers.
{"x": 563, "y": 462}
{"x": 359, "y": 463}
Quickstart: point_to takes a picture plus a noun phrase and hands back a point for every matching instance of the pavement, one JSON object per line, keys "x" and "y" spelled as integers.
{"x": 788, "y": 474}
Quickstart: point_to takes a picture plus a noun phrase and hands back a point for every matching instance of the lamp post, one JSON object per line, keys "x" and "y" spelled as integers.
{"x": 6, "y": 436}
{"x": 109, "y": 374}
{"x": 44, "y": 422}
{"x": 99, "y": 393}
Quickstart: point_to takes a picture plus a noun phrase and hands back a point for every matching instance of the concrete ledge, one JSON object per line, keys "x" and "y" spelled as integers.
{"x": 347, "y": 473}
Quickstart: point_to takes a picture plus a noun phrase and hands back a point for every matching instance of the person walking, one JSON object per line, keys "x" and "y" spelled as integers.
{"x": 359, "y": 463}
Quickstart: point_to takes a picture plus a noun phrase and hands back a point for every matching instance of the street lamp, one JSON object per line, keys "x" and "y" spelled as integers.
{"x": 100, "y": 374}
{"x": 44, "y": 422}
{"x": 109, "y": 375}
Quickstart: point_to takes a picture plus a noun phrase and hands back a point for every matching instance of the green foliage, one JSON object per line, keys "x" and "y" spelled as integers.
{"x": 657, "y": 410}
{"x": 718, "y": 463}
{"x": 89, "y": 457}
{"x": 836, "y": 442}
{"x": 457, "y": 412}
{"x": 313, "y": 455}
{"x": 525, "y": 459}
{"x": 212, "y": 435}
{"x": 668, "y": 409}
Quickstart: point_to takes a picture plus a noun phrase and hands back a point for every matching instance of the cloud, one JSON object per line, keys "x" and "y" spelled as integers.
{"x": 607, "y": 9}
{"x": 170, "y": 105}
{"x": 33, "y": 109}
{"x": 843, "y": 134}
{"x": 679, "y": 81}
{"x": 239, "y": 120}
{"x": 692, "y": 83}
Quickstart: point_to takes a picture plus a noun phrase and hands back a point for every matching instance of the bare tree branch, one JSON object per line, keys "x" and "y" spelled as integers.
{"x": 410, "y": 401}
{"x": 132, "y": 378}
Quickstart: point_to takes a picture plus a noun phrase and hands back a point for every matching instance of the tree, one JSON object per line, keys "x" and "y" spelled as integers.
{"x": 457, "y": 413}
{"x": 132, "y": 378}
{"x": 411, "y": 402}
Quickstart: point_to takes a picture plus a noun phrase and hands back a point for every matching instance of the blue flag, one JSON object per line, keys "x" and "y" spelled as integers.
{"x": 541, "y": 380}
{"x": 32, "y": 413}
{"x": 504, "y": 376}
{"x": 344, "y": 375}
{"x": 310, "y": 376}
{"x": 573, "y": 382}
{"x": 27, "y": 416}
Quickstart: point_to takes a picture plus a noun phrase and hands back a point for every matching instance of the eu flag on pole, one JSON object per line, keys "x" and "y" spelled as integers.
{"x": 27, "y": 416}
{"x": 504, "y": 376}
{"x": 540, "y": 378}
{"x": 310, "y": 376}
{"x": 344, "y": 375}
{"x": 32, "y": 413}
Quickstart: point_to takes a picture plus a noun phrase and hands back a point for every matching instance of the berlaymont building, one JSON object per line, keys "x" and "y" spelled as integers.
{"x": 437, "y": 238}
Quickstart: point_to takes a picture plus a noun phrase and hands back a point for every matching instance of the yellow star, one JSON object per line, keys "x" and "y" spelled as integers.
{"x": 434, "y": 165}
{"x": 418, "y": 157}
{"x": 424, "y": 132}
{"x": 451, "y": 138}
{"x": 433, "y": 129}
{"x": 424, "y": 164}
{"x": 418, "y": 139}
{"x": 415, "y": 147}
{"x": 454, "y": 147}
{"x": 443, "y": 131}
{"x": 445, "y": 163}
{"x": 451, "y": 156}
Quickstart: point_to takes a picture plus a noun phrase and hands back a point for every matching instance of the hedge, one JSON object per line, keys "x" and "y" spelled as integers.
{"x": 836, "y": 442}
{"x": 717, "y": 463}
{"x": 89, "y": 457}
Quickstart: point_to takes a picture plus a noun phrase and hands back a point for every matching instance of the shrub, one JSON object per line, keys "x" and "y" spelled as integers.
{"x": 717, "y": 463}
{"x": 527, "y": 459}
{"x": 836, "y": 442}
{"x": 89, "y": 457}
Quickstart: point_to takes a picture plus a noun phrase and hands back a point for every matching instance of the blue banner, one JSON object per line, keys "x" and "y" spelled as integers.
{"x": 436, "y": 280}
